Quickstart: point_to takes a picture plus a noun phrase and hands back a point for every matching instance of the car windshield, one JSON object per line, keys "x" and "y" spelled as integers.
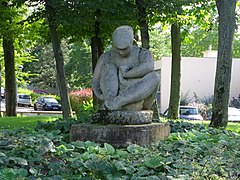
{"x": 51, "y": 100}
{"x": 188, "y": 111}
{"x": 24, "y": 96}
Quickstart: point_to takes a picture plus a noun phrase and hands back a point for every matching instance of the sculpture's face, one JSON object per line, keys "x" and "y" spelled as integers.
{"x": 123, "y": 40}
{"x": 123, "y": 52}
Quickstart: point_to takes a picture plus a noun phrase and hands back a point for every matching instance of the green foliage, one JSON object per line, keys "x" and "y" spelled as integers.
{"x": 236, "y": 47}
{"x": 205, "y": 39}
{"x": 60, "y": 124}
{"x": 14, "y": 26}
{"x": 43, "y": 71}
{"x": 235, "y": 102}
{"x": 197, "y": 153}
{"x": 24, "y": 91}
{"x": 204, "y": 153}
{"x": 85, "y": 111}
{"x": 182, "y": 126}
{"x": 79, "y": 66}
{"x": 160, "y": 42}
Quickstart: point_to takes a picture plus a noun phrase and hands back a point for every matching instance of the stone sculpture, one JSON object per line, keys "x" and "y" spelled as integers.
{"x": 125, "y": 81}
{"x": 124, "y": 77}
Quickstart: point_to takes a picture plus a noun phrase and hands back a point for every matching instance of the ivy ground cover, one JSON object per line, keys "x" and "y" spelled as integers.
{"x": 191, "y": 152}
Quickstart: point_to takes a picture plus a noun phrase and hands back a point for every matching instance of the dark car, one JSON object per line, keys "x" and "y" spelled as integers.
{"x": 47, "y": 104}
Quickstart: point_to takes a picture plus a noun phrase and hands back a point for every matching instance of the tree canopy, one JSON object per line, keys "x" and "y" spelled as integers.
{"x": 84, "y": 29}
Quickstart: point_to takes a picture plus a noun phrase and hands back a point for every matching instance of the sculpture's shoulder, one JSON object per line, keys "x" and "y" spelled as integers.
{"x": 106, "y": 57}
{"x": 144, "y": 54}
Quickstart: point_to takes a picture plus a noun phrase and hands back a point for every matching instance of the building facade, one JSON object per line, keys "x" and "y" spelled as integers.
{"x": 197, "y": 78}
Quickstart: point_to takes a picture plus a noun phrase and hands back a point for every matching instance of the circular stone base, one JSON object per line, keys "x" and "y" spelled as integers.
{"x": 122, "y": 117}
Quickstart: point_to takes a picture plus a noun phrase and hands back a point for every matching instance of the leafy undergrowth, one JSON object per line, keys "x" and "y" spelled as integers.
{"x": 191, "y": 152}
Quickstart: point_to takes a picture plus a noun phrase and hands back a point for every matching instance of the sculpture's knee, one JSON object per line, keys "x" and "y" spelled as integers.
{"x": 155, "y": 78}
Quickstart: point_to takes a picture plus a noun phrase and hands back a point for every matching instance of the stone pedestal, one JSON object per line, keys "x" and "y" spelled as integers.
{"x": 122, "y": 117}
{"x": 121, "y": 128}
{"x": 120, "y": 135}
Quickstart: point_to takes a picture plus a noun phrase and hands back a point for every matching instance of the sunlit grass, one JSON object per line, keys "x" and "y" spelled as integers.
{"x": 232, "y": 126}
{"x": 23, "y": 122}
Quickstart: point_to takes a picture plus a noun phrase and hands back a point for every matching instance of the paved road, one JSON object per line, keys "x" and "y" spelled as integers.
{"x": 18, "y": 108}
{"x": 31, "y": 111}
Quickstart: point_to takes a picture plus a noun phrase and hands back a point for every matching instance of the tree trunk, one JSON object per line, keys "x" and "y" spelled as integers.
{"x": 1, "y": 89}
{"x": 175, "y": 72}
{"x": 97, "y": 49}
{"x": 142, "y": 14}
{"x": 61, "y": 78}
{"x": 227, "y": 17}
{"x": 10, "y": 77}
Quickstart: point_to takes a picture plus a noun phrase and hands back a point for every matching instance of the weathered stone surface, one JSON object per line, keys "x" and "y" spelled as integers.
{"x": 122, "y": 117}
{"x": 124, "y": 77}
{"x": 120, "y": 135}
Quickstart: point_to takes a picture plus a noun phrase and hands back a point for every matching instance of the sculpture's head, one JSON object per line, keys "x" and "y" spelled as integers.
{"x": 123, "y": 40}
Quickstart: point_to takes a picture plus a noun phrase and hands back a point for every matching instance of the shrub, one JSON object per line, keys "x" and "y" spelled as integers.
{"x": 77, "y": 98}
{"x": 235, "y": 102}
{"x": 86, "y": 111}
{"x": 24, "y": 91}
{"x": 182, "y": 126}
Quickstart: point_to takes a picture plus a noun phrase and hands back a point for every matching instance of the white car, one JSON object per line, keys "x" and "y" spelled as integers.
{"x": 187, "y": 112}
{"x": 233, "y": 114}
{"x": 24, "y": 100}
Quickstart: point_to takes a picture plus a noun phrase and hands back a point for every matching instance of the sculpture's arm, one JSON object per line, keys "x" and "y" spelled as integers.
{"x": 146, "y": 65}
{"x": 96, "y": 79}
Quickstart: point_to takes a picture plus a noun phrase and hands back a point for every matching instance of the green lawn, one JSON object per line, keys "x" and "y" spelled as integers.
{"x": 233, "y": 126}
{"x": 31, "y": 122}
{"x": 26, "y": 122}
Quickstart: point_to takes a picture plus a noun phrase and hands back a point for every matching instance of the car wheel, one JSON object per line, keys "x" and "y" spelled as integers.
{"x": 34, "y": 107}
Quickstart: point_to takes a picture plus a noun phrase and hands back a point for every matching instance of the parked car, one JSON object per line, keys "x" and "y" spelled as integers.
{"x": 233, "y": 114}
{"x": 187, "y": 112}
{"x": 24, "y": 100}
{"x": 47, "y": 104}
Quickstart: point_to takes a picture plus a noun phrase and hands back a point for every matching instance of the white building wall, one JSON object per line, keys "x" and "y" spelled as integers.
{"x": 197, "y": 75}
